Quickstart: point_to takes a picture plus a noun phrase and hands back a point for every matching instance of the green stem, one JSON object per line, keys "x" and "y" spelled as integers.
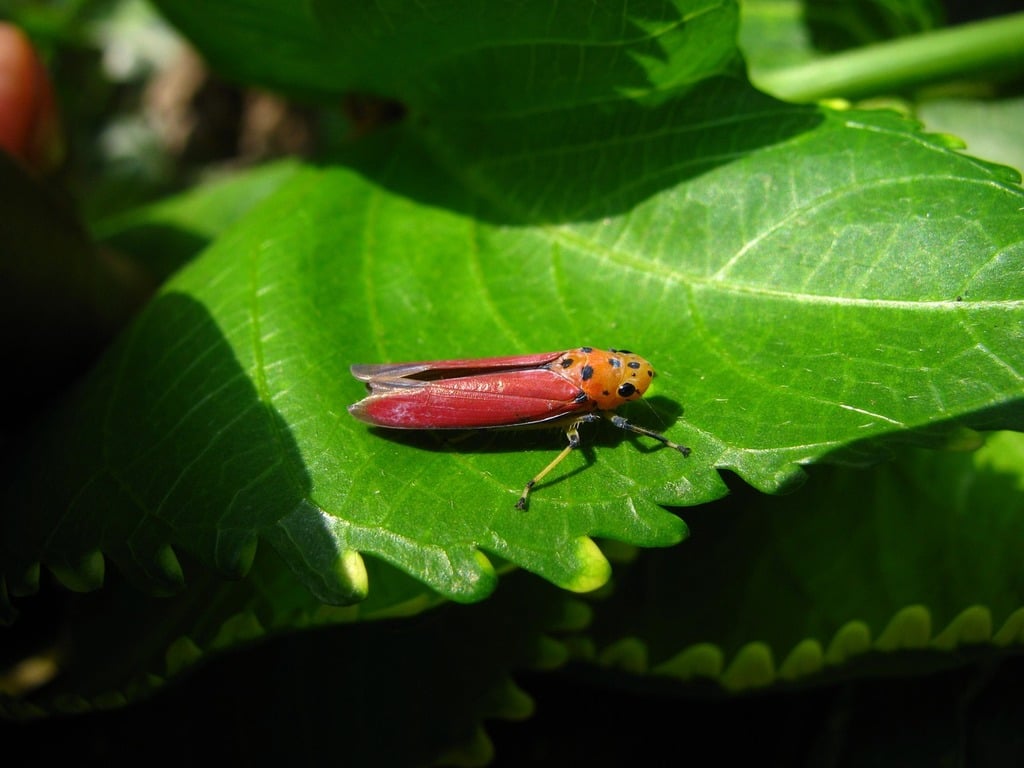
{"x": 994, "y": 44}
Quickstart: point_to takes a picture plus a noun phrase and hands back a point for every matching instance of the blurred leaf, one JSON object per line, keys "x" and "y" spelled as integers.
{"x": 163, "y": 236}
{"x": 918, "y": 554}
{"x": 439, "y": 675}
{"x": 773, "y": 34}
{"x": 466, "y": 58}
{"x": 992, "y": 129}
{"x": 61, "y": 299}
{"x": 836, "y": 25}
{"x": 811, "y": 285}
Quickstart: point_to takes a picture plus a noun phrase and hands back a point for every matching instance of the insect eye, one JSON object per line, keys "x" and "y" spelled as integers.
{"x": 626, "y": 390}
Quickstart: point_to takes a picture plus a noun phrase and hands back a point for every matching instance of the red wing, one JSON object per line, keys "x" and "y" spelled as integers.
{"x": 430, "y": 370}
{"x": 500, "y": 399}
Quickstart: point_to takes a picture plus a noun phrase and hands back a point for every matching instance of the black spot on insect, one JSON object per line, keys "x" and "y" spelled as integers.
{"x": 614, "y": 362}
{"x": 650, "y": 373}
{"x": 633, "y": 364}
{"x": 604, "y": 392}
{"x": 622, "y": 351}
{"x": 586, "y": 350}
{"x": 626, "y": 390}
{"x": 587, "y": 373}
{"x": 567, "y": 361}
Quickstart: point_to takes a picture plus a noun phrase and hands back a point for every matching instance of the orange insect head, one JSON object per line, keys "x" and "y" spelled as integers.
{"x": 608, "y": 377}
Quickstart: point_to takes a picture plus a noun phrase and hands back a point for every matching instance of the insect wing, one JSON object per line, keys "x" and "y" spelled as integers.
{"x": 401, "y": 370}
{"x": 498, "y": 399}
{"x": 429, "y": 370}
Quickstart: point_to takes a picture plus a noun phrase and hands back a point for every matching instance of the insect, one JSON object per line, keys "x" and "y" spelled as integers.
{"x": 563, "y": 389}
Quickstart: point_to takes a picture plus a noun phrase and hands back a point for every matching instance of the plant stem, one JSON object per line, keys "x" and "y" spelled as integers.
{"x": 994, "y": 44}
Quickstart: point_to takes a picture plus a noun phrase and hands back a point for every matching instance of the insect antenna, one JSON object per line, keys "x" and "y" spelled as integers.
{"x": 657, "y": 416}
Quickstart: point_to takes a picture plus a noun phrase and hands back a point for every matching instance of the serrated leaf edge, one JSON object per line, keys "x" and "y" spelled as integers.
{"x": 753, "y": 665}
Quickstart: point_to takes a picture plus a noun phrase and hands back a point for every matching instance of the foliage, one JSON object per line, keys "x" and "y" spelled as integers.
{"x": 815, "y": 285}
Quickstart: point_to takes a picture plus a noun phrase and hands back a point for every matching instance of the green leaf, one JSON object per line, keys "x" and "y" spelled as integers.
{"x": 466, "y": 58}
{"x": 841, "y": 24}
{"x": 990, "y": 129}
{"x": 437, "y": 677}
{"x": 917, "y": 554}
{"x": 810, "y": 285}
{"x": 165, "y": 235}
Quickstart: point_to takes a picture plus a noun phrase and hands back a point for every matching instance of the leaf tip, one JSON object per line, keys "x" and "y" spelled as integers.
{"x": 477, "y": 750}
{"x": 352, "y": 583}
{"x": 851, "y": 639}
{"x": 1012, "y": 631}
{"x": 23, "y": 581}
{"x": 971, "y": 626}
{"x": 753, "y": 667}
{"x": 181, "y": 654}
{"x": 806, "y": 658}
{"x": 700, "y": 660}
{"x": 628, "y": 654}
{"x": 160, "y": 571}
{"x": 592, "y": 568}
{"x": 910, "y": 628}
{"x": 234, "y": 552}
{"x": 82, "y": 575}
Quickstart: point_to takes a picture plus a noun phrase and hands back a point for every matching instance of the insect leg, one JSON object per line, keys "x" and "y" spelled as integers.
{"x": 626, "y": 424}
{"x": 571, "y": 432}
